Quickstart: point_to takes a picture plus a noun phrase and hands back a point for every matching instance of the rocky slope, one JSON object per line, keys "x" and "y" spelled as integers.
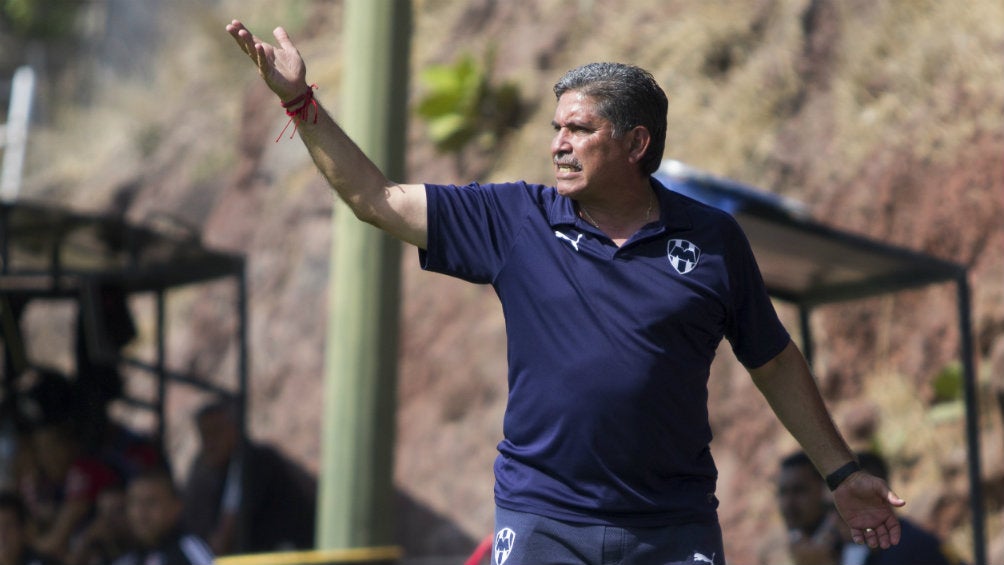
{"x": 886, "y": 119}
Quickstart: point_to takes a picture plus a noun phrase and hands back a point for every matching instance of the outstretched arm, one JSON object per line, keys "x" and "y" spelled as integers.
{"x": 399, "y": 209}
{"x": 864, "y": 501}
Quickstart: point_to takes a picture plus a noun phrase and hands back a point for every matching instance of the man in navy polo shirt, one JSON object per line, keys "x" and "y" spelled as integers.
{"x": 616, "y": 293}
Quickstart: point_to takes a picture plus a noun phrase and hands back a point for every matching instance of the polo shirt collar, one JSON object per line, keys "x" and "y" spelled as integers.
{"x": 672, "y": 209}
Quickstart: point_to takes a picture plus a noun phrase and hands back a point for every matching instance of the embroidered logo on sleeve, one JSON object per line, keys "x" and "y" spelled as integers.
{"x": 504, "y": 540}
{"x": 683, "y": 255}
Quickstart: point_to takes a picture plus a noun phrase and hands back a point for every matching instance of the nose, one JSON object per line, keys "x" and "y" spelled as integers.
{"x": 559, "y": 143}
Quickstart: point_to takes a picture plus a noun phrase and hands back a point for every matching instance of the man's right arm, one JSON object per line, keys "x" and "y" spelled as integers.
{"x": 398, "y": 209}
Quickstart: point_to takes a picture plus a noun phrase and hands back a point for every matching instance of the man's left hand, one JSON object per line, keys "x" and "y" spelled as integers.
{"x": 866, "y": 503}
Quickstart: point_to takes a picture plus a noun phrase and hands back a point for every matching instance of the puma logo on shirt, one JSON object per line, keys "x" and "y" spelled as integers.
{"x": 573, "y": 242}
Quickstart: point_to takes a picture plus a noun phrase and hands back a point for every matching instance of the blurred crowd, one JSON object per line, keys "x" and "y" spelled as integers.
{"x": 79, "y": 488}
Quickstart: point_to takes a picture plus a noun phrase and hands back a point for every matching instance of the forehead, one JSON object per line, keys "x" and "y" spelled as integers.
{"x": 574, "y": 106}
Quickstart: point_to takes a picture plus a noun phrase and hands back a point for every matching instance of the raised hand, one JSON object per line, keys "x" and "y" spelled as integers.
{"x": 866, "y": 505}
{"x": 280, "y": 66}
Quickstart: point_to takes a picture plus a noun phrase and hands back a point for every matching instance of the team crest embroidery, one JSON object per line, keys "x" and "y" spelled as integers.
{"x": 504, "y": 540}
{"x": 683, "y": 255}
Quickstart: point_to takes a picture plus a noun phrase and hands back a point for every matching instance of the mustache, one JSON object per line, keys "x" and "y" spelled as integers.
{"x": 566, "y": 161}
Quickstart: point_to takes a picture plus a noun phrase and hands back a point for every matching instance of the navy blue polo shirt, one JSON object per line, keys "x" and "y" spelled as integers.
{"x": 609, "y": 348}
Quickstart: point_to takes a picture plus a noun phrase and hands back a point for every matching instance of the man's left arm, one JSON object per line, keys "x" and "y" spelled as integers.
{"x": 865, "y": 502}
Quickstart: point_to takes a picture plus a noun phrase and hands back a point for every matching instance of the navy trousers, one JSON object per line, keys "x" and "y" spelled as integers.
{"x": 528, "y": 539}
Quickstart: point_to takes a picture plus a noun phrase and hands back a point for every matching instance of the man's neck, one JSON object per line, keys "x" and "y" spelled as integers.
{"x": 623, "y": 214}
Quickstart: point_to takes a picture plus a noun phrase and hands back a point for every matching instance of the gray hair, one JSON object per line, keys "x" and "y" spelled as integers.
{"x": 626, "y": 95}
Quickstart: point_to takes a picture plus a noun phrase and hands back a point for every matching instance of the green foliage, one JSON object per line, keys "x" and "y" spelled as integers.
{"x": 463, "y": 105}
{"x": 947, "y": 403}
{"x": 39, "y": 19}
{"x": 947, "y": 384}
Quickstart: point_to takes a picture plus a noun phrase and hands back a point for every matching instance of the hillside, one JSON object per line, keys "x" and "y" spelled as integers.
{"x": 885, "y": 119}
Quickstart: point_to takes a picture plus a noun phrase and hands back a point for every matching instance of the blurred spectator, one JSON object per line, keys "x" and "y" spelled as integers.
{"x": 73, "y": 451}
{"x": 15, "y": 548}
{"x": 107, "y": 536}
{"x": 916, "y": 545}
{"x": 812, "y": 524}
{"x": 243, "y": 496}
{"x": 62, "y": 492}
{"x": 126, "y": 451}
{"x": 153, "y": 506}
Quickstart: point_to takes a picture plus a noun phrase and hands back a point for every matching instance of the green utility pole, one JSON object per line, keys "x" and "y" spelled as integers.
{"x": 356, "y": 499}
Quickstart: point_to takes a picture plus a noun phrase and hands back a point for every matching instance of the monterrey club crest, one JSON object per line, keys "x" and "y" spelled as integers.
{"x": 683, "y": 255}
{"x": 504, "y": 540}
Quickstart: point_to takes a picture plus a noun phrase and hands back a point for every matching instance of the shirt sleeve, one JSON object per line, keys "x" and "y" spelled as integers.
{"x": 754, "y": 330}
{"x": 472, "y": 228}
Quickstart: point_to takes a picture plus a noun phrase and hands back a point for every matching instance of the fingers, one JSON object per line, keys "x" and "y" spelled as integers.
{"x": 282, "y": 38}
{"x": 245, "y": 40}
{"x": 895, "y": 500}
{"x": 260, "y": 59}
{"x": 236, "y": 30}
{"x": 884, "y": 535}
{"x": 250, "y": 45}
{"x": 892, "y": 524}
{"x": 872, "y": 537}
{"x": 883, "y": 538}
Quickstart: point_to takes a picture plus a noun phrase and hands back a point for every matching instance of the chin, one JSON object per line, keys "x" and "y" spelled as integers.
{"x": 566, "y": 189}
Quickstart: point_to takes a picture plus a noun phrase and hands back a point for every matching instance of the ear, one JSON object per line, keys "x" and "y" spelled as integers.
{"x": 638, "y": 140}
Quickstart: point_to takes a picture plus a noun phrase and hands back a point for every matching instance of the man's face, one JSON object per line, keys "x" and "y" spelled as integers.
{"x": 11, "y": 537}
{"x": 801, "y": 498}
{"x": 153, "y": 510}
{"x": 585, "y": 153}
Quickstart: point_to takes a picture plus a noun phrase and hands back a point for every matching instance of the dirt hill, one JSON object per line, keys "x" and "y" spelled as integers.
{"x": 884, "y": 118}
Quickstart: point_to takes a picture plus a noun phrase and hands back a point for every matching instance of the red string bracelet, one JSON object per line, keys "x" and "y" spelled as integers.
{"x": 298, "y": 110}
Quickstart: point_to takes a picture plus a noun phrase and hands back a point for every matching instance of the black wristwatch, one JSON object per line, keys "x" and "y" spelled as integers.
{"x": 834, "y": 479}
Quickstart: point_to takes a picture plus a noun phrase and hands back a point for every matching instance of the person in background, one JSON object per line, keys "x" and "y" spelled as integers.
{"x": 812, "y": 535}
{"x": 69, "y": 453}
{"x": 244, "y": 496}
{"x": 107, "y": 536}
{"x": 15, "y": 548}
{"x": 154, "y": 506}
{"x": 64, "y": 487}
